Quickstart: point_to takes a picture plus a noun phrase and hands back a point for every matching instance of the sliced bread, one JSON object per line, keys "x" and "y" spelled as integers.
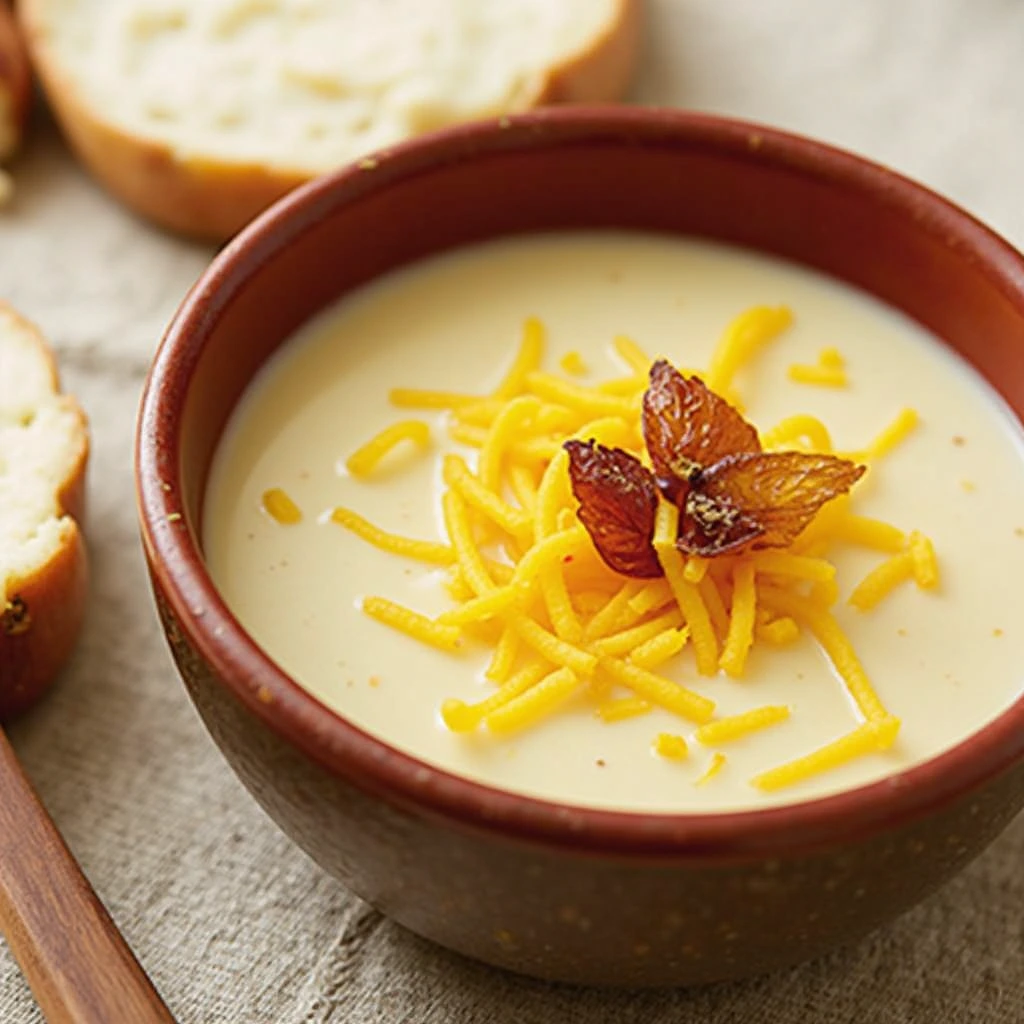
{"x": 200, "y": 113}
{"x": 43, "y": 452}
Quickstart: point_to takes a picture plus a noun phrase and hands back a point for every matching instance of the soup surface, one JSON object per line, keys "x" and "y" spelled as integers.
{"x": 944, "y": 661}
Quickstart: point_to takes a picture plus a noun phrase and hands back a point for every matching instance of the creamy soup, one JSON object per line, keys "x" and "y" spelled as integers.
{"x": 944, "y": 661}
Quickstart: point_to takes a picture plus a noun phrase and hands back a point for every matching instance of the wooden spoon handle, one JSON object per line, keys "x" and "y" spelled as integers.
{"x": 79, "y": 967}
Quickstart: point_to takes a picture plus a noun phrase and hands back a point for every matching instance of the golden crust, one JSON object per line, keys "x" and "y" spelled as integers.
{"x": 42, "y": 615}
{"x": 15, "y": 83}
{"x": 603, "y": 71}
{"x": 40, "y": 625}
{"x": 213, "y": 199}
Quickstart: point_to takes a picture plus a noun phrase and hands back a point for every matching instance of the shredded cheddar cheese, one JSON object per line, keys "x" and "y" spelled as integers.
{"x": 778, "y": 632}
{"x": 740, "y": 636}
{"x": 528, "y": 359}
{"x": 725, "y": 729}
{"x": 660, "y": 648}
{"x": 743, "y": 337}
{"x": 475, "y": 609}
{"x": 670, "y": 746}
{"x": 892, "y": 435}
{"x": 562, "y": 627}
{"x": 715, "y": 765}
{"x": 799, "y": 431}
{"x": 365, "y": 460}
{"x": 418, "y": 398}
{"x": 882, "y": 580}
{"x": 280, "y": 507}
{"x": 829, "y": 371}
{"x": 622, "y": 708}
{"x": 417, "y": 626}
{"x": 533, "y": 704}
{"x": 462, "y": 717}
{"x": 872, "y": 736}
{"x": 926, "y": 566}
{"x": 573, "y": 363}
{"x": 422, "y": 550}
{"x": 633, "y": 356}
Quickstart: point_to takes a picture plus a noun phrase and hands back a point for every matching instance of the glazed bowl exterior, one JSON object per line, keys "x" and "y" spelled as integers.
{"x": 555, "y": 891}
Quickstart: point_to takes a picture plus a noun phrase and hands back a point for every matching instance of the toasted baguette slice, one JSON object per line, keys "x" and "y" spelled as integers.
{"x": 200, "y": 113}
{"x": 43, "y": 452}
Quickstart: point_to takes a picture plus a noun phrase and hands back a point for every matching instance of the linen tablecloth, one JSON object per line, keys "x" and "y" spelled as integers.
{"x": 230, "y": 919}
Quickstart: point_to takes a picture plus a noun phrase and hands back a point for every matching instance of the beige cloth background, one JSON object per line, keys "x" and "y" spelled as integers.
{"x": 235, "y": 924}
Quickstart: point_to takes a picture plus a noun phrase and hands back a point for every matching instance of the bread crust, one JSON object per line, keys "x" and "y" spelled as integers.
{"x": 41, "y": 618}
{"x": 212, "y": 199}
{"x": 15, "y": 84}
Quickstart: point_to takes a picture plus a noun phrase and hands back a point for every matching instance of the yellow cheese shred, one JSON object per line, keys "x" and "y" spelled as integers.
{"x": 632, "y": 355}
{"x": 800, "y": 431}
{"x": 280, "y": 507}
{"x": 868, "y": 738}
{"x": 460, "y": 534}
{"x": 659, "y": 690}
{"x": 419, "y": 398}
{"x": 882, "y": 580}
{"x": 778, "y": 632}
{"x": 574, "y": 363}
{"x": 869, "y": 533}
{"x": 695, "y": 612}
{"x": 555, "y": 649}
{"x": 622, "y": 708}
{"x": 660, "y": 648}
{"x": 926, "y": 566}
{"x": 528, "y": 358}
{"x": 476, "y": 609}
{"x": 617, "y": 612}
{"x": 422, "y": 550}
{"x": 560, "y": 610}
{"x": 462, "y": 717}
{"x": 722, "y": 730}
{"x": 904, "y": 423}
{"x": 363, "y": 461}
{"x": 437, "y": 634}
{"x": 533, "y": 705}
{"x": 503, "y": 657}
{"x": 715, "y": 765}
{"x": 829, "y": 371}
{"x": 742, "y": 338}
{"x": 507, "y": 426}
{"x": 478, "y": 496}
{"x": 619, "y": 644}
{"x": 671, "y": 746}
{"x": 740, "y": 636}
{"x": 587, "y": 400}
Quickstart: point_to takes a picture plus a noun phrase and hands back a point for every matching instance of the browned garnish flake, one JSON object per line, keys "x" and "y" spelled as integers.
{"x": 767, "y": 498}
{"x": 687, "y": 427}
{"x": 618, "y": 501}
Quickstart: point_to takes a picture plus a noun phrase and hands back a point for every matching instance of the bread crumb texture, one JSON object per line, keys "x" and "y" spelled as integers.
{"x": 42, "y": 455}
{"x": 306, "y": 85}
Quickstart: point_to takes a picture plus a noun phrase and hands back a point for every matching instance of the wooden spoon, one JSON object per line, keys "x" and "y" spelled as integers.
{"x": 77, "y": 963}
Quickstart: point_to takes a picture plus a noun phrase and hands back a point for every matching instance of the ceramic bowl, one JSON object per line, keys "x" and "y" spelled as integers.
{"x": 557, "y": 891}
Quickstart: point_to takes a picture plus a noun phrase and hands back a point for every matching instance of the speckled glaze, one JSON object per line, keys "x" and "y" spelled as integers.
{"x": 559, "y": 892}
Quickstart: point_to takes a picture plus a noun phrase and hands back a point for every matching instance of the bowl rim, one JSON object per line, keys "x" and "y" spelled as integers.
{"x": 345, "y": 750}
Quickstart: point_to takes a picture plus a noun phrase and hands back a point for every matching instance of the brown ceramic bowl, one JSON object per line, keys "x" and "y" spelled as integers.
{"x": 558, "y": 891}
